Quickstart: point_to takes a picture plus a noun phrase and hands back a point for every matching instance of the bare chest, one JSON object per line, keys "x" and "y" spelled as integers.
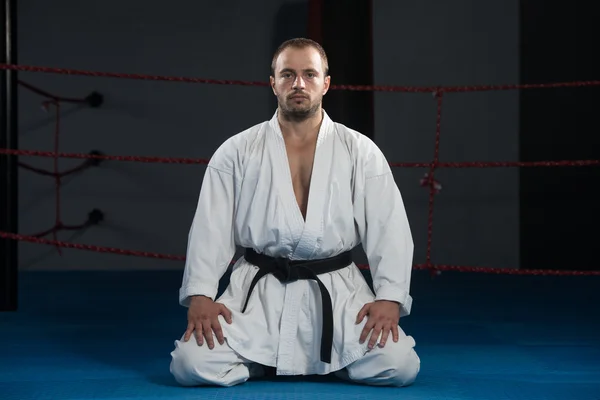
{"x": 301, "y": 165}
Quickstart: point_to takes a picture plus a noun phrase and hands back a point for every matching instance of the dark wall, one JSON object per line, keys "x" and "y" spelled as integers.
{"x": 460, "y": 42}
{"x": 291, "y": 21}
{"x": 347, "y": 35}
{"x": 559, "y": 206}
{"x": 149, "y": 206}
{"x": 349, "y": 52}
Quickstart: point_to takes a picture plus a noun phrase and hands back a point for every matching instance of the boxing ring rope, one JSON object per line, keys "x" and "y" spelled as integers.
{"x": 94, "y": 158}
{"x": 375, "y": 88}
{"x": 93, "y": 100}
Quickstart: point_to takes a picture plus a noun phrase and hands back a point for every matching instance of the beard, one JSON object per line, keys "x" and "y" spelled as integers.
{"x": 294, "y": 112}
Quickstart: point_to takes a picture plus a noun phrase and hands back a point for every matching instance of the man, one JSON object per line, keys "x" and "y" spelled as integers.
{"x": 298, "y": 192}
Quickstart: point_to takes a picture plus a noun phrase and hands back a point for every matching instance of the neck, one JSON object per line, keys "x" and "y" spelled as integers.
{"x": 307, "y": 128}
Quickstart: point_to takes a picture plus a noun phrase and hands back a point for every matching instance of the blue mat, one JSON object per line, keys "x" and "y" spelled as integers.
{"x": 107, "y": 335}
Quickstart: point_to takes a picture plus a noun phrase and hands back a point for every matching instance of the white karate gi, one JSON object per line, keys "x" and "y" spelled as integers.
{"x": 247, "y": 199}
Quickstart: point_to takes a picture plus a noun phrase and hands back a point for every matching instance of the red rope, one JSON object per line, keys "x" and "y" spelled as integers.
{"x": 432, "y": 166}
{"x": 98, "y": 249}
{"x": 507, "y": 271}
{"x": 377, "y": 88}
{"x": 179, "y": 160}
{"x": 55, "y": 101}
{"x": 57, "y": 180}
{"x": 172, "y": 257}
{"x": 499, "y": 164}
{"x": 431, "y": 175}
{"x": 145, "y": 159}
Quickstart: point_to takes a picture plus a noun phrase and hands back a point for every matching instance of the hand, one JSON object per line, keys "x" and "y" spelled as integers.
{"x": 384, "y": 316}
{"x": 203, "y": 318}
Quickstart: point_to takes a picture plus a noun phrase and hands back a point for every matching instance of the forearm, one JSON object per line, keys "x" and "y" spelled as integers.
{"x": 391, "y": 267}
{"x": 210, "y": 246}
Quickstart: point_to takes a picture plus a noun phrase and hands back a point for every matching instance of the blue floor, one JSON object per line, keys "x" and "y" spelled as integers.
{"x": 108, "y": 336}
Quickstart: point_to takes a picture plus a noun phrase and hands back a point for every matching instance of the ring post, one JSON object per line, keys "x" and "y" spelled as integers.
{"x": 8, "y": 163}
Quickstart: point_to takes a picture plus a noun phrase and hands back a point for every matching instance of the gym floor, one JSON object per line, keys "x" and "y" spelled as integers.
{"x": 108, "y": 335}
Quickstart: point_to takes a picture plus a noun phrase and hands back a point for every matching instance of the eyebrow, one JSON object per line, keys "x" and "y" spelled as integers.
{"x": 304, "y": 70}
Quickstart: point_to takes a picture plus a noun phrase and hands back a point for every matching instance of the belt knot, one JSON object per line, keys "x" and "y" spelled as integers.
{"x": 284, "y": 271}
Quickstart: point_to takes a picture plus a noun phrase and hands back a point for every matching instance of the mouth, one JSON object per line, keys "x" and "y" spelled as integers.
{"x": 298, "y": 97}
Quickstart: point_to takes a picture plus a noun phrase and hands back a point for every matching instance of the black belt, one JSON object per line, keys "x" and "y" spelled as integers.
{"x": 290, "y": 271}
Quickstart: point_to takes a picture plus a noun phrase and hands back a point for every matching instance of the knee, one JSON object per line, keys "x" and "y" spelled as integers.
{"x": 404, "y": 367}
{"x": 396, "y": 364}
{"x": 185, "y": 364}
{"x": 194, "y": 365}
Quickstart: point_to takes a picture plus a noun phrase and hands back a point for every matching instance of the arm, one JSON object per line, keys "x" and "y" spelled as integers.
{"x": 211, "y": 244}
{"x": 383, "y": 226}
{"x": 387, "y": 240}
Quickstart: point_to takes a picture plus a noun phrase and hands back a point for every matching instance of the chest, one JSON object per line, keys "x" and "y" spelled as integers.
{"x": 286, "y": 189}
{"x": 301, "y": 160}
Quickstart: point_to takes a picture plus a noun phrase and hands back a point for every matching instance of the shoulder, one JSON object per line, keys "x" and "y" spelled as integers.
{"x": 231, "y": 154}
{"x": 363, "y": 151}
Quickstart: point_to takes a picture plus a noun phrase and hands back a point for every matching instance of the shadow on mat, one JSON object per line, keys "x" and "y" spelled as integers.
{"x": 167, "y": 380}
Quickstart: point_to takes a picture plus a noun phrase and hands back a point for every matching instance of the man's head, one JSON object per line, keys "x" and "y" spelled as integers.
{"x": 299, "y": 78}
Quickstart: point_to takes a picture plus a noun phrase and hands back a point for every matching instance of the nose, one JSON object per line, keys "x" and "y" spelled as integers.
{"x": 298, "y": 83}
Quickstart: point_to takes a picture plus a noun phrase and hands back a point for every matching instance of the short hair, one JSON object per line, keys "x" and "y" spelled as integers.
{"x": 300, "y": 43}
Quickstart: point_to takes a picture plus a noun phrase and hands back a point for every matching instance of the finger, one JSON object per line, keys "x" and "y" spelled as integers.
{"x": 395, "y": 333}
{"x": 375, "y": 336}
{"x": 365, "y": 332}
{"x": 198, "y": 334}
{"x": 216, "y": 327}
{"x": 226, "y": 314}
{"x": 188, "y": 332}
{"x": 384, "y": 336}
{"x": 207, "y": 330}
{"x": 362, "y": 313}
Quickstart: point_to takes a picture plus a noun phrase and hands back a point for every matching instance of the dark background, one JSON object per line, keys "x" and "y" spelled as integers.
{"x": 505, "y": 217}
{"x": 559, "y": 206}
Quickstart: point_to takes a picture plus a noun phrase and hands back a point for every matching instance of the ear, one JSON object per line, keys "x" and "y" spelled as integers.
{"x": 272, "y": 82}
{"x": 326, "y": 84}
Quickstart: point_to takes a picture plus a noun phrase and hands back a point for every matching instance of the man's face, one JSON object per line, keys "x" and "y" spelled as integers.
{"x": 299, "y": 82}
